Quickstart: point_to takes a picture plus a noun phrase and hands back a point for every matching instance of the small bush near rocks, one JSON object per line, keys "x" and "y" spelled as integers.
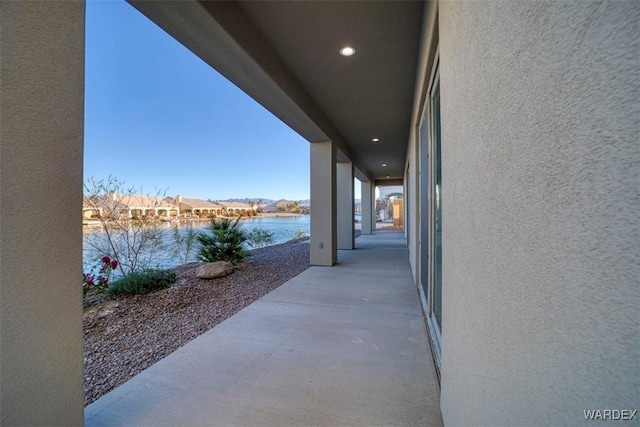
{"x": 142, "y": 282}
{"x": 223, "y": 242}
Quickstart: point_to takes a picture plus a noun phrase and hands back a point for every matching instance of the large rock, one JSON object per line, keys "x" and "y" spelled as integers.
{"x": 212, "y": 270}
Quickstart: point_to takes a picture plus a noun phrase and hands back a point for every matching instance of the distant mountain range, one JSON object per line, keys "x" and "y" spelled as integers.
{"x": 265, "y": 201}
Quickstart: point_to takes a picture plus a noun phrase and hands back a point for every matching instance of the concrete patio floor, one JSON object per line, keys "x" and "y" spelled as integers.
{"x": 334, "y": 346}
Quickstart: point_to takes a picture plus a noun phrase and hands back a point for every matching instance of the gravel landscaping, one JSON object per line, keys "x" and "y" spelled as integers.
{"x": 125, "y": 335}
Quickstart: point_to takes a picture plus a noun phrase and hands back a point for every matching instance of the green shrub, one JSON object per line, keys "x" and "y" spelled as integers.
{"x": 259, "y": 238}
{"x": 142, "y": 282}
{"x": 224, "y": 242}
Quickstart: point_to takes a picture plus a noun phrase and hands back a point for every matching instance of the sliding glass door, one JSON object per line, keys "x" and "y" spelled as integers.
{"x": 431, "y": 221}
{"x": 424, "y": 208}
{"x": 436, "y": 201}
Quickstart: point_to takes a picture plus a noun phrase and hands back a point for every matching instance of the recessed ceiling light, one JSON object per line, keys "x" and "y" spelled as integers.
{"x": 375, "y": 140}
{"x": 384, "y": 165}
{"x": 347, "y": 51}
{"x": 388, "y": 176}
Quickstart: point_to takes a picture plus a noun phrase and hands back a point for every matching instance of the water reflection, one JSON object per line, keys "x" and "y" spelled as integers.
{"x": 283, "y": 229}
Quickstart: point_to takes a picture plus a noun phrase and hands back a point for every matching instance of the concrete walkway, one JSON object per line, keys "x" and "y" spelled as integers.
{"x": 335, "y": 346}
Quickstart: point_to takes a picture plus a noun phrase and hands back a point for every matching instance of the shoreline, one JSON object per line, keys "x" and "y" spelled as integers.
{"x": 278, "y": 214}
{"x": 86, "y": 222}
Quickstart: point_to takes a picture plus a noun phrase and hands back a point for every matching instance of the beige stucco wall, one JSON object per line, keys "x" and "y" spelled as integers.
{"x": 41, "y": 132}
{"x": 540, "y": 175}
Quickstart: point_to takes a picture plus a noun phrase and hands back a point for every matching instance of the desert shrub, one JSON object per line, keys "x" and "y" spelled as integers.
{"x": 258, "y": 238}
{"x": 136, "y": 243}
{"x": 299, "y": 234}
{"x": 142, "y": 282}
{"x": 224, "y": 241}
{"x": 183, "y": 244}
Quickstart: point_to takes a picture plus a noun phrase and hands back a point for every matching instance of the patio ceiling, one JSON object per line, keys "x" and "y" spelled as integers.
{"x": 285, "y": 54}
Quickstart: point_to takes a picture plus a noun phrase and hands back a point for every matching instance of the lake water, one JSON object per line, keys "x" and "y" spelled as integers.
{"x": 283, "y": 229}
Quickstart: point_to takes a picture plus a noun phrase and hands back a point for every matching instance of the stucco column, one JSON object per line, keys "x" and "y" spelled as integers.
{"x": 41, "y": 142}
{"x": 346, "y": 226}
{"x": 366, "y": 202}
{"x": 323, "y": 203}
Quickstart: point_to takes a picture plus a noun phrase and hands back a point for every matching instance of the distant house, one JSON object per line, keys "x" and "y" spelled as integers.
{"x": 269, "y": 208}
{"x": 278, "y": 206}
{"x": 357, "y": 206}
{"x": 89, "y": 209}
{"x": 305, "y": 206}
{"x": 284, "y": 205}
{"x": 134, "y": 206}
{"x": 196, "y": 207}
{"x": 127, "y": 206}
{"x": 235, "y": 208}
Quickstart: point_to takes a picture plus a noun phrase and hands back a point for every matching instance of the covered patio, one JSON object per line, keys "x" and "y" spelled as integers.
{"x": 333, "y": 346}
{"x": 514, "y": 134}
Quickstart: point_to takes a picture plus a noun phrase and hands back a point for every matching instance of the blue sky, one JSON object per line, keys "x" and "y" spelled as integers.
{"x": 158, "y": 117}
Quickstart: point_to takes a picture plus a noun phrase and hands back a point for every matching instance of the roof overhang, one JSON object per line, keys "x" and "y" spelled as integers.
{"x": 285, "y": 55}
